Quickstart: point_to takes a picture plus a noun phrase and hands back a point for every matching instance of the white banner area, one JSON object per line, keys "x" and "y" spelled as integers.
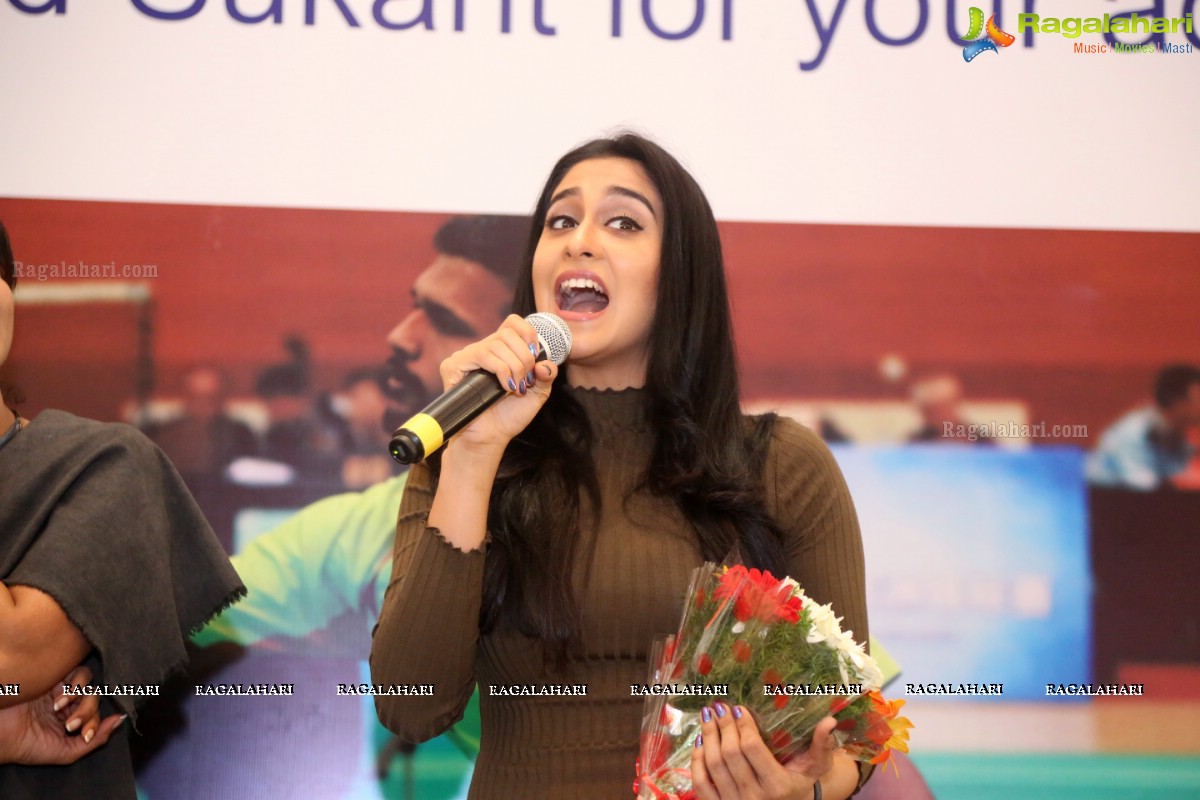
{"x": 846, "y": 111}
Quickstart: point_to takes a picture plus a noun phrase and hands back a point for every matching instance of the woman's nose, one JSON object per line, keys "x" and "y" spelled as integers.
{"x": 581, "y": 243}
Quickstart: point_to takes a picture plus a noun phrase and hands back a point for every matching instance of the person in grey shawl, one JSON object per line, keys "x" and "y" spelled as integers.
{"x": 105, "y": 562}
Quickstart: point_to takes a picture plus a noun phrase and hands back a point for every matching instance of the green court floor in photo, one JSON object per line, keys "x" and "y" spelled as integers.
{"x": 991, "y": 776}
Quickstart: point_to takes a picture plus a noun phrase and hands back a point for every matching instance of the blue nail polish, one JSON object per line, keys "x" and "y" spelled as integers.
{"x": 737, "y": 712}
{"x": 521, "y": 387}
{"x": 512, "y": 386}
{"x": 720, "y": 707}
{"x": 699, "y": 741}
{"x": 533, "y": 350}
{"x": 705, "y": 714}
{"x": 529, "y": 379}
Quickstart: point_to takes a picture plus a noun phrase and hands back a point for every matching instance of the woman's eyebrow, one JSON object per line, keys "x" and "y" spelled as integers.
{"x": 614, "y": 189}
{"x": 641, "y": 198}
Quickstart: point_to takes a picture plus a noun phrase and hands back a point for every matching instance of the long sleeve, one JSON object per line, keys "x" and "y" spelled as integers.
{"x": 428, "y": 629}
{"x": 809, "y": 497}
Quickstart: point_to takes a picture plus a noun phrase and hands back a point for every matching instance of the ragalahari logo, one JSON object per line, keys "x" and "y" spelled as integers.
{"x": 995, "y": 37}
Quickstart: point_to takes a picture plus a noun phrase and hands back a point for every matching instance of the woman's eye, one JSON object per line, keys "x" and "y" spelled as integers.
{"x": 560, "y": 222}
{"x": 625, "y": 224}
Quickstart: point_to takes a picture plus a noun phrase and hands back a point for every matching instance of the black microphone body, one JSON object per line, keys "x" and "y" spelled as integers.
{"x": 458, "y": 406}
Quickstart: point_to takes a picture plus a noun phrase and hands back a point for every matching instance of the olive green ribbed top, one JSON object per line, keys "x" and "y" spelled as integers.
{"x": 585, "y": 747}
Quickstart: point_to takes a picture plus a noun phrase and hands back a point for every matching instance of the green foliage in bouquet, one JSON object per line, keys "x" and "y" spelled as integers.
{"x": 757, "y": 641}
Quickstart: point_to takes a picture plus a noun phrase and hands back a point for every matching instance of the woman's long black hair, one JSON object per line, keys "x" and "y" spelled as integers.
{"x": 8, "y": 270}
{"x": 705, "y": 457}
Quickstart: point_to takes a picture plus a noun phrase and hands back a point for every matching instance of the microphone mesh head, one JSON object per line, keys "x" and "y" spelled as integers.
{"x": 554, "y": 335}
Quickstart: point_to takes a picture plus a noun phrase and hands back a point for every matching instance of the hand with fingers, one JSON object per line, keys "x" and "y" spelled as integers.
{"x": 55, "y": 728}
{"x": 730, "y": 761}
{"x": 511, "y": 355}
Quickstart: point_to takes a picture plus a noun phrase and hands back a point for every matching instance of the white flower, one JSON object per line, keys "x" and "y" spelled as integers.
{"x": 868, "y": 671}
{"x": 872, "y": 676}
{"x": 848, "y": 647}
{"x": 738, "y": 627}
{"x": 824, "y": 624}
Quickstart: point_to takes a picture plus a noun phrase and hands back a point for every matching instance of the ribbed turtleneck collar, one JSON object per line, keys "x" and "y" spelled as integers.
{"x": 614, "y": 409}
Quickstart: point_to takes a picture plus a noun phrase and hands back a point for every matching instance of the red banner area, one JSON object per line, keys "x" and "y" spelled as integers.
{"x": 1073, "y": 323}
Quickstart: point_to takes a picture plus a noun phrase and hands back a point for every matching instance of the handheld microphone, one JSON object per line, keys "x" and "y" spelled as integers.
{"x": 458, "y": 406}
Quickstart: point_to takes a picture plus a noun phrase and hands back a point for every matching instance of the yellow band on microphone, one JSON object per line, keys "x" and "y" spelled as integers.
{"x": 427, "y": 430}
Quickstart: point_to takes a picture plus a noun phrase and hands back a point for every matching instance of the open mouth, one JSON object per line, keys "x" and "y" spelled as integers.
{"x": 581, "y": 295}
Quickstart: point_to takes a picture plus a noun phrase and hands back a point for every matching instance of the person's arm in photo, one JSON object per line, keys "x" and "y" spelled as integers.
{"x": 310, "y": 569}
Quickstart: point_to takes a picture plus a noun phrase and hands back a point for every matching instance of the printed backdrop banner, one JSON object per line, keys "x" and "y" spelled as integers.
{"x": 817, "y": 111}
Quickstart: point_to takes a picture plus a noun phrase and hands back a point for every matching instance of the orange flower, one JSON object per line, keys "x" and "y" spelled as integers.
{"x": 705, "y": 665}
{"x": 888, "y": 708}
{"x": 887, "y": 729}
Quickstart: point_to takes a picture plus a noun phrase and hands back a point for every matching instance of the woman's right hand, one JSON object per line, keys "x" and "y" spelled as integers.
{"x": 509, "y": 354}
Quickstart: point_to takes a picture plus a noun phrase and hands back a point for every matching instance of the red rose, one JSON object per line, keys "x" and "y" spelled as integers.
{"x": 758, "y": 594}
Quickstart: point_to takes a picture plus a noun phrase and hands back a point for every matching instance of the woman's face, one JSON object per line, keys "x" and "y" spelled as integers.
{"x": 596, "y": 266}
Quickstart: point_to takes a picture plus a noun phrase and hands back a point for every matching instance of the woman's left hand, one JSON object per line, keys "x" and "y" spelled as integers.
{"x": 732, "y": 762}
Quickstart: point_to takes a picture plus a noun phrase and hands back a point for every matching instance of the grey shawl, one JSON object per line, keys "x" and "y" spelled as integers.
{"x": 94, "y": 515}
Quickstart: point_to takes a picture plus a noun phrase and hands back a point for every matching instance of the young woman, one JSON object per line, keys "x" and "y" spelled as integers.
{"x": 105, "y": 559}
{"x": 552, "y": 540}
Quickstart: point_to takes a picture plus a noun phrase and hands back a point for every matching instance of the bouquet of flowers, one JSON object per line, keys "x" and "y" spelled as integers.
{"x": 750, "y": 639}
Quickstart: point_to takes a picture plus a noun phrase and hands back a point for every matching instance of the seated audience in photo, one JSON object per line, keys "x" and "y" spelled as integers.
{"x": 831, "y": 432}
{"x": 205, "y": 440}
{"x": 357, "y": 408}
{"x": 1153, "y": 446}
{"x": 355, "y": 412}
{"x": 297, "y": 434}
{"x": 939, "y": 399}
